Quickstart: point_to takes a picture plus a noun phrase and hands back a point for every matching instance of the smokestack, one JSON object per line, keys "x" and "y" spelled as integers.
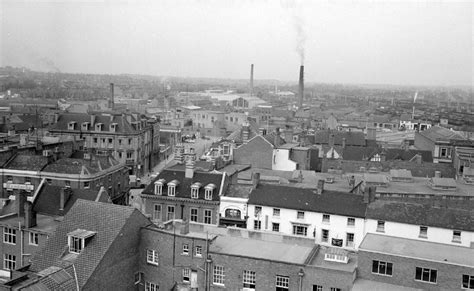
{"x": 251, "y": 79}
{"x": 111, "y": 105}
{"x": 301, "y": 88}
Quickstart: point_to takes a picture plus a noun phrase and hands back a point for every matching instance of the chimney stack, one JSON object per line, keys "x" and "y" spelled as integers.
{"x": 64, "y": 197}
{"x": 255, "y": 180}
{"x": 30, "y": 215}
{"x": 189, "y": 171}
{"x": 20, "y": 200}
{"x": 369, "y": 194}
{"x": 251, "y": 80}
{"x": 343, "y": 142}
{"x": 301, "y": 88}
{"x": 320, "y": 187}
{"x": 184, "y": 227}
{"x": 331, "y": 139}
{"x": 111, "y": 102}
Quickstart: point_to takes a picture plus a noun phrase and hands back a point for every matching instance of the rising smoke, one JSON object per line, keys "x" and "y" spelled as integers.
{"x": 295, "y": 12}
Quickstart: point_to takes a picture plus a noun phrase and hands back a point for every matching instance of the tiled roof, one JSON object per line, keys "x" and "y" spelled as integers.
{"x": 47, "y": 201}
{"x": 406, "y": 155}
{"x": 183, "y": 190}
{"x": 331, "y": 202}
{"x": 81, "y": 166}
{"x": 271, "y": 137}
{"x": 27, "y": 163}
{"x": 358, "y": 153}
{"x": 123, "y": 126}
{"x": 419, "y": 213}
{"x": 107, "y": 220}
{"x": 438, "y": 132}
{"x": 353, "y": 138}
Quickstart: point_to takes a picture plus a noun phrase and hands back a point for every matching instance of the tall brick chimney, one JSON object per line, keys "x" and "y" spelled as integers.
{"x": 111, "y": 101}
{"x": 30, "y": 215}
{"x": 251, "y": 79}
{"x": 301, "y": 88}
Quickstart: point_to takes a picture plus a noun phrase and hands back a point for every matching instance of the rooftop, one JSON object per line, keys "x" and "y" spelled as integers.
{"x": 363, "y": 285}
{"x": 267, "y": 250}
{"x": 440, "y": 133}
{"x": 417, "y": 249}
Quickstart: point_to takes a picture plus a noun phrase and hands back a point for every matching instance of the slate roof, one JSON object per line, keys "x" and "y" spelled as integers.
{"x": 353, "y": 138}
{"x": 107, "y": 220}
{"x": 331, "y": 202}
{"x": 419, "y": 213}
{"x": 123, "y": 126}
{"x": 438, "y": 132}
{"x": 406, "y": 155}
{"x": 183, "y": 190}
{"x": 81, "y": 166}
{"x": 27, "y": 163}
{"x": 271, "y": 138}
{"x": 358, "y": 153}
{"x": 47, "y": 201}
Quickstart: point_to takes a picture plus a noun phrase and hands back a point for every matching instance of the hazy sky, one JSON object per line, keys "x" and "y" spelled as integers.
{"x": 428, "y": 43}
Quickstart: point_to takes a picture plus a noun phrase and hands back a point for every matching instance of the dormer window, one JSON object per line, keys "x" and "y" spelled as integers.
{"x": 195, "y": 190}
{"x": 98, "y": 126}
{"x": 78, "y": 239}
{"x": 209, "y": 190}
{"x": 113, "y": 127}
{"x": 71, "y": 125}
{"x": 85, "y": 126}
{"x": 159, "y": 186}
{"x": 172, "y": 187}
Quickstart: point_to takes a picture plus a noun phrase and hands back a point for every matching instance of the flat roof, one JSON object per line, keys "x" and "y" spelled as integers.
{"x": 420, "y": 186}
{"x": 259, "y": 249}
{"x": 44, "y": 223}
{"x": 363, "y": 285}
{"x": 418, "y": 249}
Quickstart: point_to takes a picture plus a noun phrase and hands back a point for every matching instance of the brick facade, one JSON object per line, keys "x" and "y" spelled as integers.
{"x": 258, "y": 153}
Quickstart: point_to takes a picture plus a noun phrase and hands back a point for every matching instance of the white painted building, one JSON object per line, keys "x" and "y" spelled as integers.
{"x": 281, "y": 159}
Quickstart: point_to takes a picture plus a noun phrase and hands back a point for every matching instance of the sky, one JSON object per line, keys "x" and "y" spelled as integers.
{"x": 356, "y": 42}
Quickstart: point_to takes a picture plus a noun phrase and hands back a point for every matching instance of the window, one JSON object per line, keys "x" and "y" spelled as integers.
{"x": 9, "y": 262}
{"x": 257, "y": 224}
{"x": 171, "y": 190}
{"x": 34, "y": 238}
{"x": 138, "y": 277}
{"x": 249, "y": 279}
{"x": 208, "y": 194}
{"x": 27, "y": 180}
{"x": 282, "y": 283}
{"x": 423, "y": 232}
{"x": 9, "y": 235}
{"x": 350, "y": 240}
{"x": 380, "y": 226}
{"x": 194, "y": 214}
{"x": 276, "y": 212}
{"x": 185, "y": 250}
{"x": 129, "y": 155}
{"x": 170, "y": 214}
{"x": 194, "y": 192}
{"x": 110, "y": 140}
{"x": 457, "y": 236}
{"x": 335, "y": 289}
{"x": 49, "y": 181}
{"x": 152, "y": 257}
{"x": 9, "y": 179}
{"x": 87, "y": 185}
{"x": 317, "y": 288}
{"x": 77, "y": 239}
{"x": 67, "y": 183}
{"x": 75, "y": 245}
{"x": 326, "y": 218}
{"x": 186, "y": 274}
{"x": 198, "y": 251}
{"x": 443, "y": 152}
{"x": 218, "y": 275}
{"x": 207, "y": 216}
{"x": 275, "y": 227}
{"x": 300, "y": 230}
{"x": 129, "y": 141}
{"x": 120, "y": 141}
{"x": 324, "y": 235}
{"x": 159, "y": 187}
{"x": 467, "y": 282}
{"x": 300, "y": 215}
{"x": 157, "y": 211}
{"x": 426, "y": 275}
{"x": 351, "y": 221}
{"x": 258, "y": 211}
{"x": 382, "y": 268}
{"x": 95, "y": 139}
{"x": 149, "y": 286}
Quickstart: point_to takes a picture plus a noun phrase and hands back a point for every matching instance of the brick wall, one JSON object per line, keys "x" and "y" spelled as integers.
{"x": 449, "y": 276}
{"x": 171, "y": 258}
{"x": 258, "y": 153}
{"x": 327, "y": 278}
{"x": 417, "y": 170}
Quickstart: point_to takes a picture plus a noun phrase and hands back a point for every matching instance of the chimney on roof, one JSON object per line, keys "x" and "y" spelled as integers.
{"x": 184, "y": 227}
{"x": 20, "y": 202}
{"x": 343, "y": 142}
{"x": 371, "y": 134}
{"x": 289, "y": 135}
{"x": 30, "y": 215}
{"x": 301, "y": 88}
{"x": 320, "y": 187}
{"x": 331, "y": 139}
{"x": 276, "y": 139}
{"x": 64, "y": 194}
{"x": 251, "y": 80}
{"x": 437, "y": 174}
{"x": 369, "y": 194}
{"x": 189, "y": 171}
{"x": 111, "y": 101}
{"x": 245, "y": 132}
{"x": 255, "y": 180}
{"x": 418, "y": 158}
{"x": 92, "y": 120}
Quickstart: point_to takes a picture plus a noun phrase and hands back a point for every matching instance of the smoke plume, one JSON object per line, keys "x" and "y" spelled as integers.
{"x": 295, "y": 12}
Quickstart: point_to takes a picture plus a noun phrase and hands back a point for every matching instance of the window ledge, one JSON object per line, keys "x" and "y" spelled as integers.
{"x": 458, "y": 241}
{"x": 152, "y": 263}
{"x": 380, "y": 230}
{"x": 426, "y": 282}
{"x": 423, "y": 236}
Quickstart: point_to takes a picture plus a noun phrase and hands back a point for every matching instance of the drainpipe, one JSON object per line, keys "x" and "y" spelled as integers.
{"x": 300, "y": 275}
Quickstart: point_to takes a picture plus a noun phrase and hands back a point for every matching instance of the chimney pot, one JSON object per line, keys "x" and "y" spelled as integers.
{"x": 320, "y": 187}
{"x": 301, "y": 88}
{"x": 255, "y": 180}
